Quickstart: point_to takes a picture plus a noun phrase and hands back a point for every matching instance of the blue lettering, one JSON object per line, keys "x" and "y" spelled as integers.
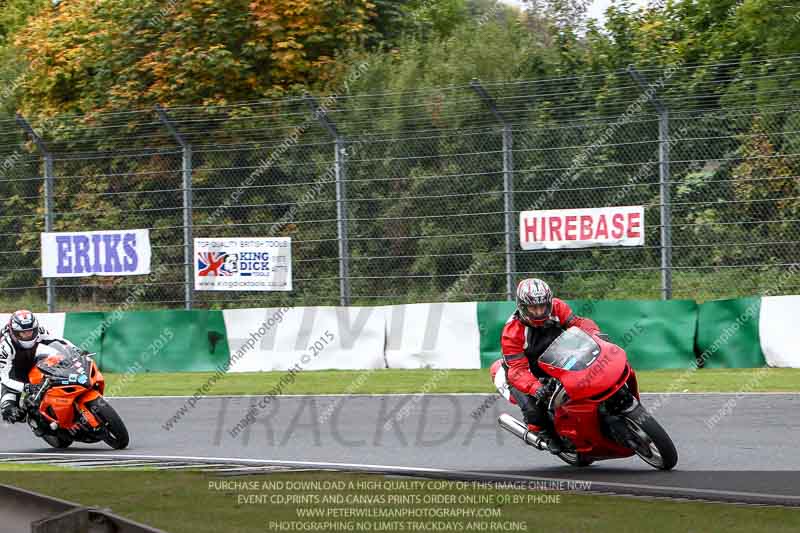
{"x": 82, "y": 263}
{"x": 64, "y": 245}
{"x": 254, "y": 256}
{"x": 244, "y": 266}
{"x": 131, "y": 260}
{"x": 96, "y": 240}
{"x": 112, "y": 254}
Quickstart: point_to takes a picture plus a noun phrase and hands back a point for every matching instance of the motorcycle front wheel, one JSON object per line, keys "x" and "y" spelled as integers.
{"x": 115, "y": 434}
{"x": 649, "y": 440}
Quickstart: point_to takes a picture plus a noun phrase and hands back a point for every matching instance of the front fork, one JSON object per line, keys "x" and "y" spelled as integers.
{"x": 38, "y": 424}
{"x": 85, "y": 412}
{"x": 612, "y": 413}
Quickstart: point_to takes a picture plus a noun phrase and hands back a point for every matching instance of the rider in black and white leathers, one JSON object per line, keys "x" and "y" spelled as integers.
{"x": 17, "y": 358}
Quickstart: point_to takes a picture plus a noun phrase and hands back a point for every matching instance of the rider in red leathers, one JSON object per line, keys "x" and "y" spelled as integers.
{"x": 538, "y": 320}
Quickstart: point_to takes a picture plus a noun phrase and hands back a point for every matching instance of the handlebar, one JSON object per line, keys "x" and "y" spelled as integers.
{"x": 42, "y": 390}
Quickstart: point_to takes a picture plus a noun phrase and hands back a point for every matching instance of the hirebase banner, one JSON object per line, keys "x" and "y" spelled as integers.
{"x": 581, "y": 228}
{"x": 95, "y": 253}
{"x": 243, "y": 264}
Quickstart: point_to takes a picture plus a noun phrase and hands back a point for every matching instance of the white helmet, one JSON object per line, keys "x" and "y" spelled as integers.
{"x": 534, "y": 293}
{"x": 24, "y": 328}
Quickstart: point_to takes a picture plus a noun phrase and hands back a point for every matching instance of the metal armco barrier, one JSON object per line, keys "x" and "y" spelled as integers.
{"x": 23, "y": 510}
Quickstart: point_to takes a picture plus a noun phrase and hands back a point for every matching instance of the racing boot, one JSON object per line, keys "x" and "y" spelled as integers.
{"x": 549, "y": 437}
{"x": 539, "y": 422}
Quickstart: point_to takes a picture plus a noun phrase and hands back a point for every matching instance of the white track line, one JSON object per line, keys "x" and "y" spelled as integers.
{"x": 607, "y": 485}
{"x": 402, "y": 394}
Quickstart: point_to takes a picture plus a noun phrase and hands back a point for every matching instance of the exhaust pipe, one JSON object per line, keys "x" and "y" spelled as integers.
{"x": 517, "y": 428}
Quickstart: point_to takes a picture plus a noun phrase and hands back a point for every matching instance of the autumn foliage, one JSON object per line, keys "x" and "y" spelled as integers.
{"x": 134, "y": 53}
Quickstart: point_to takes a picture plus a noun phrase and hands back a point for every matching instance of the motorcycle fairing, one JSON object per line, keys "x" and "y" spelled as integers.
{"x": 585, "y": 365}
{"x": 69, "y": 389}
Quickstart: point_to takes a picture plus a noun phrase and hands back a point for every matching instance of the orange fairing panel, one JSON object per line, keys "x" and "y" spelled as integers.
{"x": 35, "y": 376}
{"x": 96, "y": 377}
{"x": 87, "y": 413}
{"x": 60, "y": 402}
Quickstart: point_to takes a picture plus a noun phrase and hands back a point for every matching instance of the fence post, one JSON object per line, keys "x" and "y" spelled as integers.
{"x": 508, "y": 186}
{"x": 663, "y": 180}
{"x": 340, "y": 173}
{"x": 48, "y": 200}
{"x": 186, "y": 172}
{"x": 666, "y": 210}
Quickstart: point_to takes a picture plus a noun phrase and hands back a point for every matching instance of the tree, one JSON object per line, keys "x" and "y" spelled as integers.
{"x": 14, "y": 14}
{"x": 93, "y": 55}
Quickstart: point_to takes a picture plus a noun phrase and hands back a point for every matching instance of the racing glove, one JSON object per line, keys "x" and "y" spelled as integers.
{"x": 11, "y": 413}
{"x": 31, "y": 389}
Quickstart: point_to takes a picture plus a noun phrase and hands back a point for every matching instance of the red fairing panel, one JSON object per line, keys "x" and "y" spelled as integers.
{"x": 601, "y": 375}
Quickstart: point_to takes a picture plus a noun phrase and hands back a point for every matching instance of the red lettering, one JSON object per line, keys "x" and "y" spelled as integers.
{"x": 530, "y": 229}
{"x": 570, "y": 227}
{"x": 586, "y": 227}
{"x": 555, "y": 228}
{"x": 602, "y": 227}
{"x": 634, "y": 223}
{"x": 618, "y": 221}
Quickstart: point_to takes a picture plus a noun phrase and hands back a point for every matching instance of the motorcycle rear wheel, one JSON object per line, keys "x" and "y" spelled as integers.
{"x": 115, "y": 434}
{"x": 575, "y": 459}
{"x": 57, "y": 442}
{"x": 653, "y": 444}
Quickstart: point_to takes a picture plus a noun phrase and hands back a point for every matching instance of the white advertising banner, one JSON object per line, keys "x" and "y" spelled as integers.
{"x": 433, "y": 335}
{"x": 95, "y": 253}
{"x": 243, "y": 264}
{"x": 305, "y": 338}
{"x": 582, "y": 228}
{"x": 777, "y": 331}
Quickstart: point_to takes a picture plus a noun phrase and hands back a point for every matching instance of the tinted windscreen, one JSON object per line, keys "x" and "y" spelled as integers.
{"x": 54, "y": 347}
{"x": 572, "y": 350}
{"x": 58, "y": 358}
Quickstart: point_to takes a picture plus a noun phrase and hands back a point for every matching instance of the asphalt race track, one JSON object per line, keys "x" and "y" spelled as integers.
{"x": 745, "y": 444}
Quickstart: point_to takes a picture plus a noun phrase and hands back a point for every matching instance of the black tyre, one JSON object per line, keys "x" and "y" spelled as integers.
{"x": 57, "y": 442}
{"x": 649, "y": 440}
{"x": 115, "y": 433}
{"x": 575, "y": 459}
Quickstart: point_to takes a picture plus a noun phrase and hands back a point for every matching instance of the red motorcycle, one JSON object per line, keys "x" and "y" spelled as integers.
{"x": 595, "y": 405}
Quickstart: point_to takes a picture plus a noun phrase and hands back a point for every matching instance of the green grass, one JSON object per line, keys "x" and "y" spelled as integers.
{"x": 186, "y": 502}
{"x": 388, "y": 381}
{"x": 33, "y": 467}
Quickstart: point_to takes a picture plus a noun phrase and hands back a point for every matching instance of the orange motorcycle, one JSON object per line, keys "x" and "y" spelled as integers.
{"x": 69, "y": 405}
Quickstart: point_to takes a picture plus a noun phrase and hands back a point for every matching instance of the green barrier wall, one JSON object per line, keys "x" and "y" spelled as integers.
{"x": 154, "y": 341}
{"x": 727, "y": 334}
{"x": 492, "y": 316}
{"x": 86, "y": 330}
{"x": 655, "y": 334}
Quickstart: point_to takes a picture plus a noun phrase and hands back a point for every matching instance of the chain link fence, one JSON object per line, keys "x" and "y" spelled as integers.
{"x": 415, "y": 197}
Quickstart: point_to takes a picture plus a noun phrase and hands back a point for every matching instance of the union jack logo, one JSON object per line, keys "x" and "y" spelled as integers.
{"x": 212, "y": 264}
